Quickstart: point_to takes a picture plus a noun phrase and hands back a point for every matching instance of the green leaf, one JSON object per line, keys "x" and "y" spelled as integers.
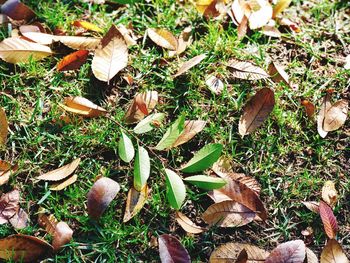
{"x": 176, "y": 190}
{"x": 203, "y": 159}
{"x": 146, "y": 124}
{"x": 206, "y": 182}
{"x": 125, "y": 148}
{"x": 142, "y": 168}
{"x": 172, "y": 134}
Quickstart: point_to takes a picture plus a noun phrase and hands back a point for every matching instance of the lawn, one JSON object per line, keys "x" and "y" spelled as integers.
{"x": 285, "y": 155}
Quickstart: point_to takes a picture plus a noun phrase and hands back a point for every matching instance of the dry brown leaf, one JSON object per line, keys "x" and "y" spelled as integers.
{"x": 190, "y": 130}
{"x": 63, "y": 235}
{"x": 128, "y": 35}
{"x": 171, "y": 250}
{"x": 48, "y": 222}
{"x": 312, "y": 206}
{"x": 187, "y": 224}
{"x": 82, "y": 106}
{"x": 3, "y": 127}
{"x": 310, "y": 256}
{"x": 184, "y": 41}
{"x": 333, "y": 253}
{"x": 288, "y": 252}
{"x": 20, "y": 219}
{"x": 242, "y": 257}
{"x": 135, "y": 201}
{"x": 228, "y": 214}
{"x": 249, "y": 181}
{"x": 215, "y": 85}
{"x": 212, "y": 8}
{"x": 246, "y": 70}
{"x": 229, "y": 252}
{"x": 23, "y": 248}
{"x": 17, "y": 10}
{"x": 163, "y": 38}
{"x": 278, "y": 74}
{"x": 328, "y": 219}
{"x": 66, "y": 182}
{"x": 111, "y": 57}
{"x": 189, "y": 64}
{"x": 73, "y": 61}
{"x": 15, "y": 50}
{"x": 242, "y": 28}
{"x": 336, "y": 116}
{"x": 134, "y": 113}
{"x": 60, "y": 173}
{"x": 222, "y": 166}
{"x": 256, "y": 111}
{"x": 237, "y": 11}
{"x": 309, "y": 108}
{"x": 9, "y": 206}
{"x": 329, "y": 193}
{"x": 325, "y": 106}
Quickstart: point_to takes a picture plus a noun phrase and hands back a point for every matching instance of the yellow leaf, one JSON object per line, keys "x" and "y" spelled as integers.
{"x": 329, "y": 193}
{"x": 88, "y": 26}
{"x": 280, "y": 7}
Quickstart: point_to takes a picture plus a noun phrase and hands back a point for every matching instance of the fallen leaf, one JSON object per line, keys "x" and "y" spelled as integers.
{"x": 134, "y": 113}
{"x": 87, "y": 25}
{"x": 256, "y": 111}
{"x": 249, "y": 181}
{"x": 260, "y": 13}
{"x": 15, "y": 50}
{"x": 73, "y": 61}
{"x": 333, "y": 253}
{"x": 211, "y": 8}
{"x": 242, "y": 28}
{"x": 66, "y": 182}
{"x": 288, "y": 252}
{"x": 237, "y": 11}
{"x": 147, "y": 124}
{"x": 223, "y": 166}
{"x": 184, "y": 41}
{"x": 20, "y": 219}
{"x": 172, "y": 133}
{"x": 336, "y": 116}
{"x": 278, "y": 74}
{"x": 142, "y": 168}
{"x": 242, "y": 257}
{"x": 130, "y": 39}
{"x": 206, "y": 182}
{"x": 271, "y": 31}
{"x": 60, "y": 173}
{"x": 187, "y": 224}
{"x": 126, "y": 149}
{"x": 215, "y": 85}
{"x": 310, "y": 256}
{"x": 347, "y": 61}
{"x": 312, "y": 206}
{"x": 189, "y": 64}
{"x": 163, "y": 38}
{"x": 17, "y": 10}
{"x": 328, "y": 219}
{"x": 111, "y": 56}
{"x": 9, "y": 206}
{"x": 82, "y": 106}
{"x": 190, "y": 130}
{"x": 3, "y": 127}
{"x": 135, "y": 201}
{"x": 329, "y": 193}
{"x": 246, "y": 70}
{"x": 176, "y": 190}
{"x": 49, "y": 222}
{"x": 100, "y": 196}
{"x": 23, "y": 248}
{"x": 325, "y": 106}
{"x": 228, "y": 214}
{"x": 171, "y": 250}
{"x": 6, "y": 170}
{"x": 29, "y": 28}
{"x": 229, "y": 252}
{"x": 63, "y": 235}
{"x": 309, "y": 108}
{"x": 280, "y": 6}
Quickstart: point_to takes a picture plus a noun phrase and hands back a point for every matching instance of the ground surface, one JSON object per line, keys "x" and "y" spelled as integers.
{"x": 286, "y": 155}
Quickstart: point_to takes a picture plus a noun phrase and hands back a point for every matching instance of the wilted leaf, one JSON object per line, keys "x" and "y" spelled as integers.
{"x": 82, "y": 106}
{"x": 111, "y": 56}
{"x": 278, "y": 74}
{"x": 66, "y": 182}
{"x": 256, "y": 111}
{"x": 135, "y": 202}
{"x": 128, "y": 35}
{"x": 288, "y": 252}
{"x": 242, "y": 28}
{"x": 100, "y": 196}
{"x": 271, "y": 31}
{"x": 189, "y": 64}
{"x": 229, "y": 252}
{"x": 187, "y": 224}
{"x": 23, "y": 248}
{"x": 228, "y": 214}
{"x": 73, "y": 61}
{"x": 172, "y": 133}
{"x": 242, "y": 257}
{"x": 260, "y": 13}
{"x": 336, "y": 116}
{"x": 249, "y": 181}
{"x": 3, "y": 127}
{"x": 176, "y": 190}
{"x": 203, "y": 159}
{"x": 17, "y": 10}
{"x": 63, "y": 235}
{"x": 309, "y": 108}
{"x": 246, "y": 70}
{"x": 310, "y": 256}
{"x": 49, "y": 222}
{"x": 142, "y": 168}
{"x": 87, "y": 25}
{"x": 206, "y": 182}
{"x": 215, "y": 85}
{"x": 325, "y": 106}
{"x": 15, "y": 50}
{"x": 125, "y": 148}
{"x": 149, "y": 123}
{"x": 190, "y": 130}
{"x": 9, "y": 205}
{"x": 134, "y": 112}
{"x": 312, "y": 206}
{"x": 61, "y": 172}
{"x": 184, "y": 41}
{"x": 20, "y": 219}
{"x": 329, "y": 193}
{"x": 280, "y": 6}
{"x": 163, "y": 38}
{"x": 171, "y": 250}
{"x": 328, "y": 219}
{"x": 333, "y": 253}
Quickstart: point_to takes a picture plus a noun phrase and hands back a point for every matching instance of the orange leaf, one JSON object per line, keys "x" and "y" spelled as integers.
{"x": 309, "y": 108}
{"x": 87, "y": 25}
{"x": 73, "y": 61}
{"x": 328, "y": 219}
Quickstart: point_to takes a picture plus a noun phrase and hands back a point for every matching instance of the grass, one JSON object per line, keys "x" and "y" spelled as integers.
{"x": 286, "y": 155}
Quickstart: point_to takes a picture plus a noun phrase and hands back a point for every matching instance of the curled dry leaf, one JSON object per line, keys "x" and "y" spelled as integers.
{"x": 63, "y": 235}
{"x": 128, "y": 35}
{"x": 310, "y": 256}
{"x": 288, "y": 252}
{"x": 246, "y": 70}
{"x": 184, "y": 41}
{"x": 87, "y": 25}
{"x": 20, "y": 219}
{"x": 163, "y": 38}
{"x": 278, "y": 74}
{"x": 16, "y": 10}
{"x": 49, "y": 222}
{"x": 230, "y": 252}
{"x": 228, "y": 214}
{"x": 328, "y": 219}
{"x": 73, "y": 61}
{"x": 171, "y": 250}
{"x": 60, "y": 173}
{"x": 333, "y": 253}
{"x": 190, "y": 130}
{"x": 187, "y": 224}
{"x": 256, "y": 111}
{"x": 189, "y": 64}
{"x": 136, "y": 110}
{"x": 312, "y": 206}
{"x": 249, "y": 181}
{"x": 100, "y": 196}
{"x": 135, "y": 201}
{"x": 325, "y": 106}
{"x": 309, "y": 108}
{"x": 215, "y": 85}
{"x": 336, "y": 116}
{"x": 3, "y": 127}
{"x": 23, "y": 248}
{"x": 111, "y": 57}
{"x": 329, "y": 193}
{"x": 9, "y": 205}
{"x": 16, "y": 50}
{"x": 82, "y": 106}
{"x": 66, "y": 182}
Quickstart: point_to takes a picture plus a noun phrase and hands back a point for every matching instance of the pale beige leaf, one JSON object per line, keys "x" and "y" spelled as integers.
{"x": 189, "y": 64}
{"x": 134, "y": 113}
{"x": 111, "y": 57}
{"x": 237, "y": 11}
{"x": 228, "y": 214}
{"x": 310, "y": 256}
{"x": 246, "y": 70}
{"x": 215, "y": 85}
{"x": 312, "y": 206}
{"x": 187, "y": 224}
{"x": 190, "y": 130}
{"x": 130, "y": 39}
{"x": 60, "y": 186}
{"x": 333, "y": 253}
{"x": 61, "y": 172}
{"x": 242, "y": 28}
{"x": 16, "y": 50}
{"x": 82, "y": 106}
{"x": 163, "y": 38}
{"x": 185, "y": 40}
{"x": 135, "y": 202}
{"x": 325, "y": 106}
{"x": 288, "y": 252}
{"x": 230, "y": 251}
{"x": 271, "y": 31}
{"x": 260, "y": 13}
{"x": 336, "y": 116}
{"x": 3, "y": 127}
{"x": 39, "y": 37}
{"x": 329, "y": 193}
